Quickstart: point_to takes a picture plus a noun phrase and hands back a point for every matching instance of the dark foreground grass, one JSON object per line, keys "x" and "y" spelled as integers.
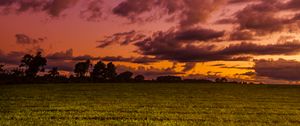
{"x": 149, "y": 104}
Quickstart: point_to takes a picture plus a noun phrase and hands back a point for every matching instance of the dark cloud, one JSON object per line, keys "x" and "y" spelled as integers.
{"x": 139, "y": 60}
{"x": 241, "y": 35}
{"x": 167, "y": 46}
{"x": 172, "y": 36}
{"x": 198, "y": 34}
{"x": 226, "y": 21}
{"x": 93, "y": 11}
{"x": 263, "y": 17}
{"x": 186, "y": 53}
{"x": 144, "y": 60}
{"x": 116, "y": 59}
{"x": 237, "y": 67}
{"x": 56, "y": 7}
{"x": 25, "y": 39}
{"x": 218, "y": 65}
{"x": 278, "y": 69}
{"x": 52, "y": 7}
{"x": 61, "y": 65}
{"x": 241, "y": 1}
{"x": 11, "y": 58}
{"x": 189, "y": 66}
{"x": 248, "y": 74}
{"x": 67, "y": 55}
{"x": 291, "y": 5}
{"x": 122, "y": 38}
{"x": 287, "y": 48}
{"x": 188, "y": 12}
{"x": 132, "y": 8}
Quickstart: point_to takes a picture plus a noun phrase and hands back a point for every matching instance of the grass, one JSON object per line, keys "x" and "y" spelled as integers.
{"x": 149, "y": 104}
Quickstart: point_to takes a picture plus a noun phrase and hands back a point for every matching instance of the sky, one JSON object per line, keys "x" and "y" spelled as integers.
{"x": 243, "y": 40}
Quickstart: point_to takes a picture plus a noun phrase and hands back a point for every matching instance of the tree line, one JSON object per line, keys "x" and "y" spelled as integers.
{"x": 31, "y": 65}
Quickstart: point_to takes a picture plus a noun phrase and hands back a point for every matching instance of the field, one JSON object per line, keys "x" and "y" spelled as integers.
{"x": 149, "y": 104}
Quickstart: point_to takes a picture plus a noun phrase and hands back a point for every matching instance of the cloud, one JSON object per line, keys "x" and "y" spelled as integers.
{"x": 25, "y": 39}
{"x": 291, "y": 5}
{"x": 197, "y": 34}
{"x": 265, "y": 16}
{"x": 189, "y": 66}
{"x": 248, "y": 74}
{"x": 67, "y": 55}
{"x": 93, "y": 11}
{"x": 241, "y": 1}
{"x": 132, "y": 8}
{"x": 241, "y": 35}
{"x": 61, "y": 65}
{"x": 11, "y": 58}
{"x": 218, "y": 65}
{"x": 149, "y": 73}
{"x": 54, "y": 8}
{"x": 122, "y": 38}
{"x": 168, "y": 46}
{"x": 287, "y": 48}
{"x": 188, "y": 12}
{"x": 260, "y": 18}
{"x": 237, "y": 67}
{"x": 139, "y": 60}
{"x": 226, "y": 21}
{"x": 172, "y": 35}
{"x": 280, "y": 69}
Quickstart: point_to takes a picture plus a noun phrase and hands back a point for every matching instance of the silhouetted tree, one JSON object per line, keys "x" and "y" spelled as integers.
{"x": 125, "y": 76}
{"x": 2, "y": 71}
{"x": 139, "y": 78}
{"x": 82, "y": 68}
{"x": 26, "y": 61}
{"x": 221, "y": 80}
{"x": 54, "y": 72}
{"x": 110, "y": 72}
{"x": 224, "y": 80}
{"x": 17, "y": 72}
{"x": 99, "y": 70}
{"x": 169, "y": 78}
{"x": 33, "y": 64}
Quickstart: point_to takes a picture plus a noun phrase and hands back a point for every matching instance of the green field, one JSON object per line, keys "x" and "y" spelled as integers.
{"x": 149, "y": 104}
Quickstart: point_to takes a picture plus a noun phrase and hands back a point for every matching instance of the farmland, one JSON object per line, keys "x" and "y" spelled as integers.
{"x": 149, "y": 104}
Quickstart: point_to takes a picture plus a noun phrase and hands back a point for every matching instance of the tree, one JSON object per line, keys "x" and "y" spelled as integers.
{"x": 221, "y": 80}
{"x": 99, "y": 70}
{"x": 110, "y": 72}
{"x": 224, "y": 80}
{"x": 54, "y": 72}
{"x": 2, "y": 71}
{"x": 26, "y": 61}
{"x": 33, "y": 64}
{"x": 17, "y": 72}
{"x": 169, "y": 78}
{"x": 139, "y": 78}
{"x": 125, "y": 76}
{"x": 82, "y": 68}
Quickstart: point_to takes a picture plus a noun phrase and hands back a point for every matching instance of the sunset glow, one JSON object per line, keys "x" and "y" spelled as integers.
{"x": 243, "y": 40}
